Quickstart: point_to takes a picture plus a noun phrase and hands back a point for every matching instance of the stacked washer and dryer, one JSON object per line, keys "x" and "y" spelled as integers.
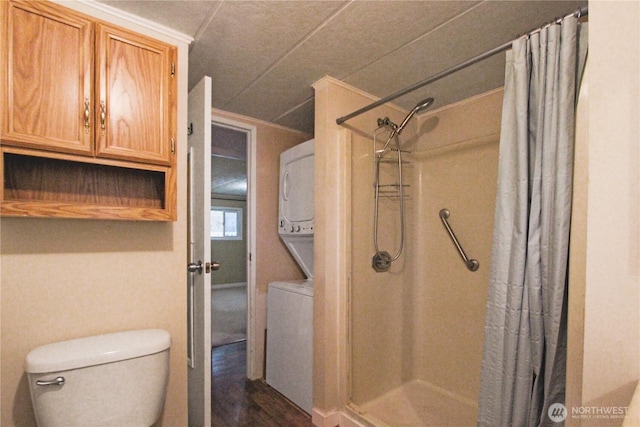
{"x": 289, "y": 364}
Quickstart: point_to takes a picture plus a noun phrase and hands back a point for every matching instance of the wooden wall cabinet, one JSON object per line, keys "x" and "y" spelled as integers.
{"x": 85, "y": 101}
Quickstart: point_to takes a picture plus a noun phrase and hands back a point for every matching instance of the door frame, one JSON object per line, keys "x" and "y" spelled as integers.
{"x": 253, "y": 364}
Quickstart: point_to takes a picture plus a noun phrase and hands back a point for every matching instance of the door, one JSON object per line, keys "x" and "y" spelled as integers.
{"x": 135, "y": 84}
{"x": 199, "y": 268}
{"x": 46, "y": 92}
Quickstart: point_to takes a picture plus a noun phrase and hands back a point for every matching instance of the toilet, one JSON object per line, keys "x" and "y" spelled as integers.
{"x": 117, "y": 379}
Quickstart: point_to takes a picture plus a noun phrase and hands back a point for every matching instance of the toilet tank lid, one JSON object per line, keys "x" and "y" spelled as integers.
{"x": 96, "y": 350}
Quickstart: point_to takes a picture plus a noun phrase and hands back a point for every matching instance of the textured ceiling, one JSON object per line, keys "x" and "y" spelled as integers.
{"x": 228, "y": 162}
{"x": 228, "y": 177}
{"x": 263, "y": 56}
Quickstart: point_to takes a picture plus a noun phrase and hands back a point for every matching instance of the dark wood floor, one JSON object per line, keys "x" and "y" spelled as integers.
{"x": 237, "y": 401}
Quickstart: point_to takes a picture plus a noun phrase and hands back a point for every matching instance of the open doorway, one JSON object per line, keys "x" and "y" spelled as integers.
{"x": 233, "y": 202}
{"x": 228, "y": 234}
{"x": 253, "y": 402}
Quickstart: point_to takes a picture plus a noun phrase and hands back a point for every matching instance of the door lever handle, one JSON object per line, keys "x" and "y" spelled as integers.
{"x": 193, "y": 267}
{"x": 208, "y": 267}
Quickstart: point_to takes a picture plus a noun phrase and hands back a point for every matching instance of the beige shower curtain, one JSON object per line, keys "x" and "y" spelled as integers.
{"x": 524, "y": 354}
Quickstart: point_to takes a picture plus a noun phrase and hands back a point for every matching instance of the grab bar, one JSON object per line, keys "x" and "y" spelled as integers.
{"x": 471, "y": 264}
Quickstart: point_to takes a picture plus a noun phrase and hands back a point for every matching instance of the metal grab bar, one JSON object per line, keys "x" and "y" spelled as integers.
{"x": 471, "y": 264}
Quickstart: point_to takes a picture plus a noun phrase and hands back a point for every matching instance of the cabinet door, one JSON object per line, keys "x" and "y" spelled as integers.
{"x": 135, "y": 112}
{"x": 46, "y": 93}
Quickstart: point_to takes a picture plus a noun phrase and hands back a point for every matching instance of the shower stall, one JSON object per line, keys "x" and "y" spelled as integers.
{"x": 416, "y": 327}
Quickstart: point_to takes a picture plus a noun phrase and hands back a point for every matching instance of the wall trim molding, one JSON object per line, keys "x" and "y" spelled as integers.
{"x": 333, "y": 418}
{"x": 128, "y": 17}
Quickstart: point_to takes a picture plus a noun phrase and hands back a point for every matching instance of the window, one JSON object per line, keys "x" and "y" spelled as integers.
{"x": 226, "y": 223}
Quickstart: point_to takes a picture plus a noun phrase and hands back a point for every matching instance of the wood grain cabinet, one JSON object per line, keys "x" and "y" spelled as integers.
{"x": 84, "y": 101}
{"x": 134, "y": 76}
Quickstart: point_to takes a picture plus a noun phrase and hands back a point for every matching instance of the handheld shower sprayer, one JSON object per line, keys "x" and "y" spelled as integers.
{"x": 382, "y": 259}
{"x": 396, "y": 130}
{"x": 425, "y": 103}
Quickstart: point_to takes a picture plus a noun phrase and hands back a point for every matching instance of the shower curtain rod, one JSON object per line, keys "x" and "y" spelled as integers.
{"x": 584, "y": 11}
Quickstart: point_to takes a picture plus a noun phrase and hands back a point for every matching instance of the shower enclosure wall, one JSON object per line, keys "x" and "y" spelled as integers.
{"x": 416, "y": 331}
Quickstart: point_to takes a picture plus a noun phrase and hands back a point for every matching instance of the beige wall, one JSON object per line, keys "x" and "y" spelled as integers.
{"x": 604, "y": 335}
{"x": 612, "y": 320}
{"x": 331, "y": 243}
{"x": 62, "y": 279}
{"x": 456, "y": 157}
{"x": 273, "y": 260}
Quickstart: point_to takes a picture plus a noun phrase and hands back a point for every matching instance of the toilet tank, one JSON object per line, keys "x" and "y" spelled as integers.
{"x": 117, "y": 379}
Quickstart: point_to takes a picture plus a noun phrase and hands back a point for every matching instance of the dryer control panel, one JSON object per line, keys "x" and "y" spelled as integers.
{"x": 297, "y": 228}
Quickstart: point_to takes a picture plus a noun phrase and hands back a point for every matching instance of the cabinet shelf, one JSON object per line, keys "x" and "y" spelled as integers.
{"x": 38, "y": 185}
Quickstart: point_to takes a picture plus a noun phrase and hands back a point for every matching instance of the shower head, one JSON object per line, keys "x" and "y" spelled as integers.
{"x": 425, "y": 103}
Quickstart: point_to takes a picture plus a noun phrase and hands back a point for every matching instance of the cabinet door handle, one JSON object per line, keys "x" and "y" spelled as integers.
{"x": 87, "y": 114}
{"x": 103, "y": 116}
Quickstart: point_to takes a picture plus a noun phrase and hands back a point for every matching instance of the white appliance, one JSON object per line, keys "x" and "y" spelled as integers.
{"x": 290, "y": 340}
{"x": 296, "y": 207}
{"x": 289, "y": 365}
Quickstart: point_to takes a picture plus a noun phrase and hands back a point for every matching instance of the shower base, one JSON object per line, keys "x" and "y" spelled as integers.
{"x": 418, "y": 403}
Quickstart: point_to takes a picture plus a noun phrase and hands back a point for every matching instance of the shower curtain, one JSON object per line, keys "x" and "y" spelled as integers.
{"x": 524, "y": 352}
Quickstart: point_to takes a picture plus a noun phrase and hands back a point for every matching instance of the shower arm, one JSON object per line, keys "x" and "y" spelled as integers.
{"x": 384, "y": 150}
